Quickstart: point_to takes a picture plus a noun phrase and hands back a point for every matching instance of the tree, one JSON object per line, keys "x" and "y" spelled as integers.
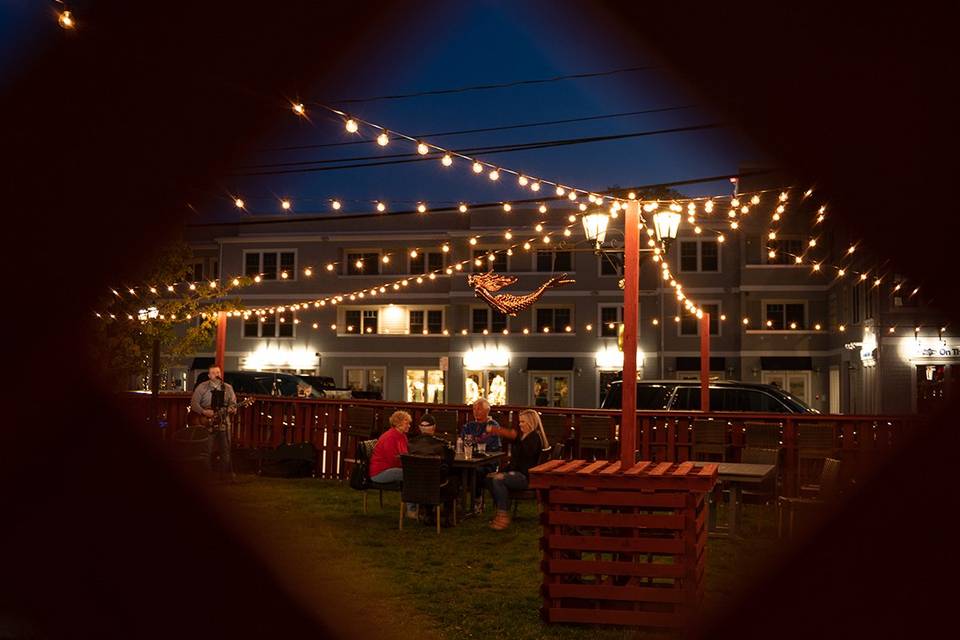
{"x": 169, "y": 310}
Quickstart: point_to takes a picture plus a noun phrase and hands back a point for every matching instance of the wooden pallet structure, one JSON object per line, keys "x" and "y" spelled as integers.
{"x": 623, "y": 547}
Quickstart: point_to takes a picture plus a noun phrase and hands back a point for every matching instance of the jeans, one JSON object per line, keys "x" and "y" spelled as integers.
{"x": 500, "y": 489}
{"x": 393, "y": 474}
{"x": 220, "y": 446}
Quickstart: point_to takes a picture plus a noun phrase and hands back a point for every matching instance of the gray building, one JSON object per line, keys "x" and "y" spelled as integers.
{"x": 431, "y": 339}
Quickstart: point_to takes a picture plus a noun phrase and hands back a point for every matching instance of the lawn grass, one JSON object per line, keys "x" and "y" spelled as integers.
{"x": 468, "y": 582}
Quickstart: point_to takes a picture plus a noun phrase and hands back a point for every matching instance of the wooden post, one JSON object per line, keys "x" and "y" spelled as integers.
{"x": 631, "y": 297}
{"x": 705, "y": 362}
{"x": 221, "y": 339}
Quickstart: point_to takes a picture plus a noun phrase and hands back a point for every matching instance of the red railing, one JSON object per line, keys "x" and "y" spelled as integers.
{"x": 859, "y": 441}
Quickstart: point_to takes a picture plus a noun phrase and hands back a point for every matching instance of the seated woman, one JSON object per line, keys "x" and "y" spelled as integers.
{"x": 529, "y": 443}
{"x": 385, "y": 460}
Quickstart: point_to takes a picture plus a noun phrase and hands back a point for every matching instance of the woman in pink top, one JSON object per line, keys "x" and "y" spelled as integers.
{"x": 385, "y": 461}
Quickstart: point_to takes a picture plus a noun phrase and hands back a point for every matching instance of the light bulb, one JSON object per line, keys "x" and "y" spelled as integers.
{"x": 571, "y": 218}
{"x": 477, "y": 167}
{"x": 238, "y": 203}
{"x": 422, "y": 149}
{"x": 771, "y": 254}
{"x": 385, "y": 259}
{"x": 414, "y": 254}
{"x": 507, "y": 207}
{"x": 735, "y": 203}
{"x": 299, "y": 109}
{"x": 66, "y": 20}
{"x": 746, "y": 321}
{"x": 546, "y": 239}
{"x": 721, "y": 238}
{"x": 841, "y": 272}
{"x": 508, "y": 235}
{"x": 572, "y": 196}
{"x": 813, "y": 242}
{"x": 336, "y": 205}
{"x": 535, "y": 186}
{"x": 446, "y": 160}
{"x": 708, "y": 206}
{"x": 463, "y": 208}
{"x": 446, "y": 248}
{"x": 308, "y": 272}
{"x": 583, "y": 206}
{"x": 755, "y": 200}
{"x": 422, "y": 208}
{"x": 526, "y": 246}
{"x": 817, "y": 326}
{"x": 330, "y": 267}
{"x": 383, "y": 139}
{"x": 381, "y": 207}
{"x": 539, "y": 228}
{"x": 351, "y": 125}
{"x": 522, "y": 180}
{"x": 543, "y": 208}
{"x": 473, "y": 241}
{"x": 494, "y": 175}
{"x": 566, "y": 232}
{"x": 358, "y": 264}
{"x": 560, "y": 191}
{"x": 285, "y": 204}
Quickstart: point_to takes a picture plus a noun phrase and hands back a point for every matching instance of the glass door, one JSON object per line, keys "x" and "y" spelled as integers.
{"x": 485, "y": 383}
{"x": 551, "y": 389}
{"x": 796, "y": 383}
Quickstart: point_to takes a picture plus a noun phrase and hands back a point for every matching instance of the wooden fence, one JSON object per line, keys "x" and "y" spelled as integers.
{"x": 334, "y": 427}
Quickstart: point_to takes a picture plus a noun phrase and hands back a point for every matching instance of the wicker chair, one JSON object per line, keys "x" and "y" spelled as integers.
{"x": 766, "y": 492}
{"x": 364, "y": 453}
{"x": 425, "y": 481}
{"x": 359, "y": 424}
{"x": 815, "y": 443}
{"x": 710, "y": 438}
{"x": 595, "y": 433}
{"x": 556, "y": 427}
{"x": 828, "y": 488}
{"x": 762, "y": 435}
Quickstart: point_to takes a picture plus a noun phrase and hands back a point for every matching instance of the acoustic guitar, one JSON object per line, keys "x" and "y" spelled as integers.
{"x": 195, "y": 419}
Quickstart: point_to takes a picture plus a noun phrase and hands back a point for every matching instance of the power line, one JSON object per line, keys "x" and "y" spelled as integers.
{"x": 355, "y": 216}
{"x": 503, "y": 85}
{"x": 524, "y": 125}
{"x": 359, "y": 162}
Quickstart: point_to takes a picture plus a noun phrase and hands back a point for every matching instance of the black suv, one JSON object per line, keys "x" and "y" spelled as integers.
{"x": 265, "y": 383}
{"x": 725, "y": 395}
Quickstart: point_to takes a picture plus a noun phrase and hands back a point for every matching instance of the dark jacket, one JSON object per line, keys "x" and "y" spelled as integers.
{"x": 526, "y": 453}
{"x": 425, "y": 445}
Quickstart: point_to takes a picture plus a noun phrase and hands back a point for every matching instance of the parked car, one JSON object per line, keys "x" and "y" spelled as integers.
{"x": 327, "y": 387}
{"x": 267, "y": 383}
{"x": 725, "y": 395}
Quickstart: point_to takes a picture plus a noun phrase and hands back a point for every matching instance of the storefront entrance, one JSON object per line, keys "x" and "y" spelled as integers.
{"x": 934, "y": 386}
{"x": 796, "y": 383}
{"x": 485, "y": 383}
{"x": 551, "y": 389}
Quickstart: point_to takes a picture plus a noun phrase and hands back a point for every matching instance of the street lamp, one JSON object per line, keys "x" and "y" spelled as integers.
{"x": 666, "y": 224}
{"x": 595, "y": 228}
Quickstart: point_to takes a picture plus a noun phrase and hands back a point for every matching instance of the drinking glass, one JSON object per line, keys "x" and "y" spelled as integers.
{"x": 467, "y": 452}
{"x": 481, "y": 447}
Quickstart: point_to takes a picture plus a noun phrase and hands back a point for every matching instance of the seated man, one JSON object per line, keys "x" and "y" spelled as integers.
{"x": 477, "y": 428}
{"x": 428, "y": 444}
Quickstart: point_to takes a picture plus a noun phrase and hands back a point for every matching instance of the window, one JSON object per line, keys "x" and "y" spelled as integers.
{"x": 427, "y": 262}
{"x": 699, "y": 255}
{"x": 194, "y": 272}
{"x": 426, "y": 321}
{"x": 690, "y": 324}
{"x": 857, "y": 292}
{"x": 553, "y": 319}
{"x": 271, "y": 265}
{"x": 369, "y": 264}
{"x": 489, "y": 319}
{"x": 277, "y": 325}
{"x": 425, "y": 385}
{"x": 367, "y": 379}
{"x": 687, "y": 398}
{"x": 499, "y": 262}
{"x": 360, "y": 321}
{"x": 785, "y": 315}
{"x": 786, "y": 250}
{"x": 869, "y": 298}
{"x": 611, "y": 263}
{"x": 485, "y": 383}
{"x": 554, "y": 260}
{"x": 611, "y": 316}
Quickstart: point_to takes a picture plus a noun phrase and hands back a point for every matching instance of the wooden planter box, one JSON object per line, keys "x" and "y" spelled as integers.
{"x": 623, "y": 547}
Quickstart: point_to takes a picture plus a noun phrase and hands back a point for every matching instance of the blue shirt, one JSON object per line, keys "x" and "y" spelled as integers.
{"x": 479, "y": 432}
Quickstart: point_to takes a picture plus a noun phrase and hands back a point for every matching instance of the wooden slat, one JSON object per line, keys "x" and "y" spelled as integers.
{"x": 626, "y": 618}
{"x": 610, "y": 592}
{"x": 547, "y": 466}
{"x": 608, "y": 568}
{"x": 618, "y": 482}
{"x": 593, "y": 466}
{"x": 709, "y": 469}
{"x": 661, "y": 469}
{"x": 613, "y": 468}
{"x": 683, "y": 469}
{"x": 637, "y": 468}
{"x": 599, "y": 519}
{"x": 573, "y": 465}
{"x": 617, "y": 498}
{"x": 602, "y": 543}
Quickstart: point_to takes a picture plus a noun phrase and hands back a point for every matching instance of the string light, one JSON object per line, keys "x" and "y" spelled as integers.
{"x": 463, "y": 208}
{"x": 381, "y": 207}
{"x": 66, "y": 20}
{"x": 351, "y": 125}
{"x": 299, "y": 109}
{"x": 383, "y": 139}
{"x": 446, "y": 160}
{"x": 422, "y": 149}
{"x": 336, "y": 205}
{"x": 238, "y": 203}
{"x": 285, "y": 204}
{"x": 477, "y": 167}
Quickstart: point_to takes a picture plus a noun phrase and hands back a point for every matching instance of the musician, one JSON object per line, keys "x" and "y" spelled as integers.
{"x": 215, "y": 400}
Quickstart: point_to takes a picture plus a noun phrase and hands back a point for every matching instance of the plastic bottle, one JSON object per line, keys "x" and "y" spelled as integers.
{"x": 459, "y": 445}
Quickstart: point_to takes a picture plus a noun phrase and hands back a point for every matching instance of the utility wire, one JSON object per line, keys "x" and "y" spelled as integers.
{"x": 503, "y": 85}
{"x": 525, "y": 125}
{"x": 357, "y": 163}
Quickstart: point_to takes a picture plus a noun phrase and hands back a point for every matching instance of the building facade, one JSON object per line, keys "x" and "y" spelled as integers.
{"x": 432, "y": 339}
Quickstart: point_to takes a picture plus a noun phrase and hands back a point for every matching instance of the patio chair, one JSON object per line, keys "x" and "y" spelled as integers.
{"x": 761, "y": 435}
{"x": 364, "y": 452}
{"x": 595, "y": 433}
{"x": 827, "y": 490}
{"x": 815, "y": 443}
{"x": 556, "y": 427}
{"x": 553, "y": 452}
{"x": 710, "y": 439}
{"x": 426, "y": 482}
{"x": 766, "y": 492}
{"x": 359, "y": 423}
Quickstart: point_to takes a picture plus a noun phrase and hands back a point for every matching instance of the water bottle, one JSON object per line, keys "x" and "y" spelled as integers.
{"x": 459, "y": 446}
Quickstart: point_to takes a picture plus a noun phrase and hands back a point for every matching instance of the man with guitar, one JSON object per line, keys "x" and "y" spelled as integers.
{"x": 213, "y": 403}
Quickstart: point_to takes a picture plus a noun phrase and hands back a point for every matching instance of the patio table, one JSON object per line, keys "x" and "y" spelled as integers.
{"x": 737, "y": 474}
{"x": 468, "y": 471}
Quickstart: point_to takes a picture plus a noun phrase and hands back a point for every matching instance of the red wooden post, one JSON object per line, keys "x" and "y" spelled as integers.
{"x": 221, "y": 339}
{"x": 705, "y": 362}
{"x": 631, "y": 297}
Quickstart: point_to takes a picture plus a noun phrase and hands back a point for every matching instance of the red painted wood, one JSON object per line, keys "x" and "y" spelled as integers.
{"x": 638, "y": 569}
{"x": 704, "y": 362}
{"x": 613, "y": 468}
{"x": 221, "y": 338}
{"x": 588, "y": 518}
{"x": 594, "y": 466}
{"x": 630, "y": 545}
{"x": 638, "y": 468}
{"x": 631, "y": 320}
{"x": 604, "y": 592}
{"x": 617, "y": 498}
{"x": 629, "y": 618}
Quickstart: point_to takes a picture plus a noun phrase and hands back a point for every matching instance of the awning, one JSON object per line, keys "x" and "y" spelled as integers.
{"x": 786, "y": 363}
{"x": 201, "y": 363}
{"x": 693, "y": 364}
{"x": 549, "y": 364}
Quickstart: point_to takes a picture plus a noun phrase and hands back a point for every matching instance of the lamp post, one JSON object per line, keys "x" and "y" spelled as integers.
{"x": 666, "y": 224}
{"x": 595, "y": 228}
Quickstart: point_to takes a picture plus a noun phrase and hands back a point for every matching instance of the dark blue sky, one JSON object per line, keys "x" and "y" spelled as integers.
{"x": 458, "y": 44}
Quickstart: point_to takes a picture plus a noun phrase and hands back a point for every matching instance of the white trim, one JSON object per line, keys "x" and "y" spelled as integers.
{"x": 781, "y": 332}
{"x": 329, "y": 236}
{"x": 784, "y": 287}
